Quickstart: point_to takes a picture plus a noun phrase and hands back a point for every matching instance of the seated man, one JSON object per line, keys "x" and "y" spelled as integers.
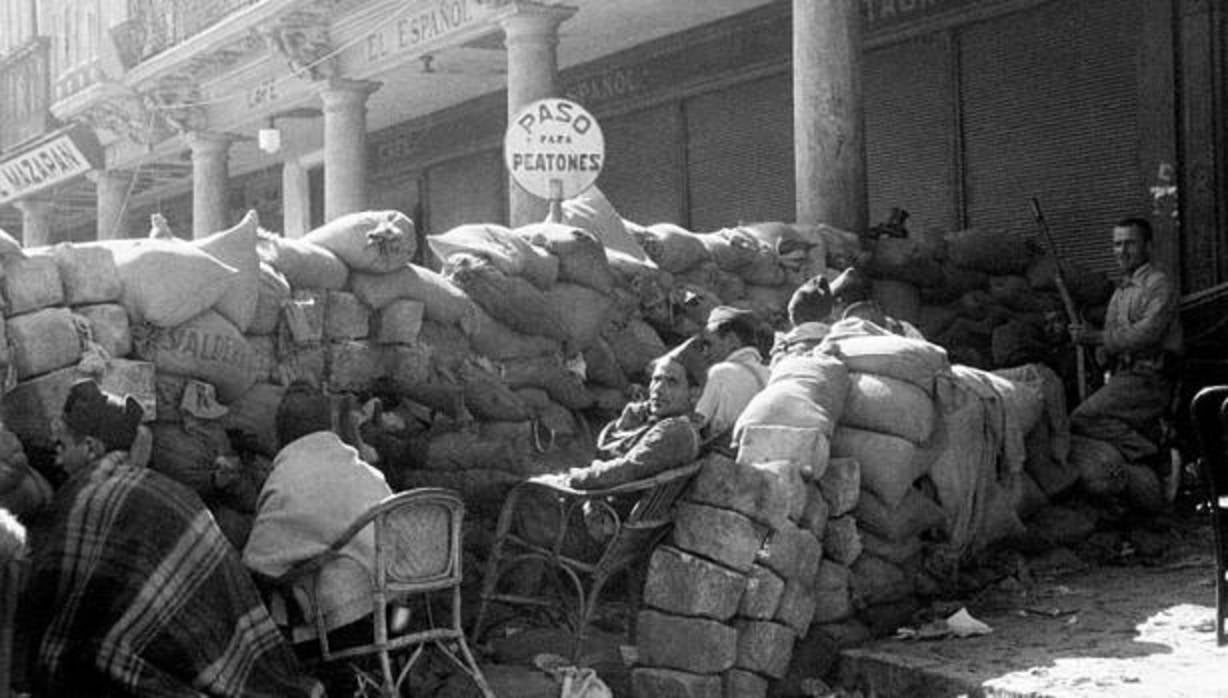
{"x": 736, "y": 372}
{"x": 318, "y": 486}
{"x": 809, "y": 312}
{"x": 650, "y": 436}
{"x": 134, "y": 591}
{"x": 1142, "y": 342}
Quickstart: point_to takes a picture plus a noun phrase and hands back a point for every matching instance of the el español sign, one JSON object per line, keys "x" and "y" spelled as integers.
{"x": 554, "y": 140}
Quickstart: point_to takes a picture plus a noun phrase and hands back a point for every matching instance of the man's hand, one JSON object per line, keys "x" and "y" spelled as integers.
{"x": 1082, "y": 334}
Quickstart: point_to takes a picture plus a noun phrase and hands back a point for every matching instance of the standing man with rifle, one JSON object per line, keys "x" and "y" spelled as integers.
{"x": 1142, "y": 343}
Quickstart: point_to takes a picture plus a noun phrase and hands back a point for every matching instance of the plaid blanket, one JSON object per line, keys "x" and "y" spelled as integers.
{"x": 135, "y": 591}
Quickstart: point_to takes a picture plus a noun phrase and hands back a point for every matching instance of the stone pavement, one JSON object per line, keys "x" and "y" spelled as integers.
{"x": 1125, "y": 631}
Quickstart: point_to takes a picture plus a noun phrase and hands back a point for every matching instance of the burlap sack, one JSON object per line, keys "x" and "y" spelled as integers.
{"x": 168, "y": 282}
{"x": 369, "y": 241}
{"x": 304, "y": 263}
{"x": 236, "y": 247}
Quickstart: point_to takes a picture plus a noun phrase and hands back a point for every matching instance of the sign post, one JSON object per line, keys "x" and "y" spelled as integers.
{"x": 554, "y": 149}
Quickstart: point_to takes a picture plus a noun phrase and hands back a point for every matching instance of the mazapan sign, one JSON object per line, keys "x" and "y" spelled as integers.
{"x": 47, "y": 164}
{"x": 554, "y": 148}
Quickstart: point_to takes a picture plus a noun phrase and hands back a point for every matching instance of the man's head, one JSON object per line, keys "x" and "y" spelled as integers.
{"x": 728, "y": 330}
{"x": 94, "y": 422}
{"x": 672, "y": 390}
{"x": 304, "y": 410}
{"x": 1132, "y": 243}
{"x": 811, "y": 302}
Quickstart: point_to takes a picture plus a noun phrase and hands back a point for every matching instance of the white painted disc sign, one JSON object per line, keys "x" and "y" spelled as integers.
{"x": 554, "y": 140}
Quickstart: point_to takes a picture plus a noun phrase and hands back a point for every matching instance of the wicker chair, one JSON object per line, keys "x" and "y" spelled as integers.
{"x": 1210, "y": 414}
{"x": 632, "y": 537}
{"x": 417, "y": 553}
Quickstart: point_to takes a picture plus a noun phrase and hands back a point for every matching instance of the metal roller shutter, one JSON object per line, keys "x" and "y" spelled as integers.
{"x": 910, "y": 133}
{"x": 469, "y": 189}
{"x": 643, "y": 165}
{"x": 1049, "y": 99}
{"x": 740, "y": 154}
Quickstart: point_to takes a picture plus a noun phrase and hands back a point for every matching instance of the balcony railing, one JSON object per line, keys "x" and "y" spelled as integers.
{"x": 24, "y": 93}
{"x": 157, "y": 25}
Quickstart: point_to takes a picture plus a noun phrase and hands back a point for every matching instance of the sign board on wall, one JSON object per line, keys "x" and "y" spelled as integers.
{"x": 554, "y": 148}
{"x": 66, "y": 154}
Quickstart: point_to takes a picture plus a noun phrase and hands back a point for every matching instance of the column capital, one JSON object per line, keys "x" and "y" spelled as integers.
{"x": 208, "y": 142}
{"x": 339, "y": 93}
{"x": 530, "y": 21}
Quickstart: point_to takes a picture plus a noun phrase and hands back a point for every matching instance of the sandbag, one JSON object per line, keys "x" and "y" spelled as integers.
{"x": 786, "y": 404}
{"x": 584, "y": 312}
{"x": 1101, "y": 467}
{"x": 915, "y": 515}
{"x": 497, "y": 341}
{"x": 510, "y": 252}
{"x": 108, "y": 323}
{"x": 488, "y": 397}
{"x": 303, "y": 316}
{"x": 304, "y": 263}
{"x": 672, "y": 247}
{"x": 265, "y": 362}
{"x": 904, "y": 259}
{"x": 399, "y": 322}
{"x": 345, "y": 316}
{"x": 731, "y": 249}
{"x": 890, "y": 406}
{"x": 444, "y": 301}
{"x": 208, "y": 347}
{"x": 512, "y": 300}
{"x": 31, "y": 283}
{"x": 911, "y": 360}
{"x": 187, "y": 453}
{"x": 369, "y": 241}
{"x": 825, "y": 380}
{"x": 581, "y": 257}
{"x": 237, "y": 247}
{"x": 889, "y": 464}
{"x": 549, "y": 374}
{"x": 1014, "y": 292}
{"x": 764, "y": 269}
{"x": 272, "y": 293}
{"x": 449, "y": 347}
{"x": 602, "y": 367}
{"x": 168, "y": 282}
{"x": 1087, "y": 287}
{"x": 634, "y": 343}
{"x": 87, "y": 273}
{"x": 43, "y": 341}
{"x": 989, "y": 251}
{"x": 593, "y": 212}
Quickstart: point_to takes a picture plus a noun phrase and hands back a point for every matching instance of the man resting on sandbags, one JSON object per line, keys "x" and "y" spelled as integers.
{"x": 853, "y": 299}
{"x": 809, "y": 314}
{"x": 1142, "y": 343}
{"x": 736, "y": 371}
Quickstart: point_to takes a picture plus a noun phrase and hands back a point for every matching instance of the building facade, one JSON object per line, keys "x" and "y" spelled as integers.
{"x": 959, "y": 111}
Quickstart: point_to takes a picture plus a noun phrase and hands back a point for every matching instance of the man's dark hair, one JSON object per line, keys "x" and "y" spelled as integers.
{"x": 811, "y": 302}
{"x": 1142, "y": 225}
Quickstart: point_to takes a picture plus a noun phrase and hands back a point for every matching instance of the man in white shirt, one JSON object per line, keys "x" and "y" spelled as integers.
{"x": 736, "y": 371}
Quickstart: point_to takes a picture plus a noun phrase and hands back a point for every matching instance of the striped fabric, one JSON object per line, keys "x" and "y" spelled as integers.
{"x": 135, "y": 591}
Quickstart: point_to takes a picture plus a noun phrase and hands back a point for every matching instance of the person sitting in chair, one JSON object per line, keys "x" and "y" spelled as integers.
{"x": 134, "y": 591}
{"x": 650, "y": 436}
{"x": 317, "y": 487}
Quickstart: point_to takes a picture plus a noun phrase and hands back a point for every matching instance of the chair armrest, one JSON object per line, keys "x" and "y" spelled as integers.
{"x": 555, "y": 483}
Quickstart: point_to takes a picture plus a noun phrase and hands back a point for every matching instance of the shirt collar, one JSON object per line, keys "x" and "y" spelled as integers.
{"x": 1135, "y": 278}
{"x": 745, "y": 355}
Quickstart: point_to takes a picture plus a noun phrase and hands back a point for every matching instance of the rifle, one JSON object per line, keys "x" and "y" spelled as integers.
{"x": 1072, "y": 312}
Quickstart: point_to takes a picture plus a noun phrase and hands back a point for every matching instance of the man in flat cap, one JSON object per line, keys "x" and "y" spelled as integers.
{"x": 736, "y": 371}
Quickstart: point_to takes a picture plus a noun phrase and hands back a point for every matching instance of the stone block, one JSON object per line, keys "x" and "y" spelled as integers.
{"x": 764, "y": 647}
{"x": 696, "y": 645}
{"x": 686, "y": 585}
{"x": 792, "y": 552}
{"x": 770, "y": 493}
{"x": 400, "y": 322}
{"x": 763, "y": 591}
{"x": 346, "y": 317}
{"x": 841, "y": 540}
{"x": 304, "y": 315}
{"x": 817, "y": 511}
{"x": 353, "y": 365}
{"x": 832, "y": 575}
{"x": 806, "y": 447}
{"x": 873, "y": 580}
{"x": 718, "y": 534}
{"x": 109, "y": 326}
{"x": 832, "y": 605}
{"x": 841, "y": 485}
{"x": 651, "y": 682}
{"x": 797, "y": 605}
{"x": 745, "y": 684}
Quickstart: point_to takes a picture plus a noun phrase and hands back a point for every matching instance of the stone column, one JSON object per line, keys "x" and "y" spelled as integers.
{"x": 113, "y": 187}
{"x": 296, "y": 199}
{"x": 210, "y": 177}
{"x": 35, "y": 221}
{"x": 532, "y": 38}
{"x": 828, "y": 129}
{"x": 345, "y": 145}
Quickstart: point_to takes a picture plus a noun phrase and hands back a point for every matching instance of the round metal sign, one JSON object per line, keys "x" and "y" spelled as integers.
{"x": 554, "y": 148}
